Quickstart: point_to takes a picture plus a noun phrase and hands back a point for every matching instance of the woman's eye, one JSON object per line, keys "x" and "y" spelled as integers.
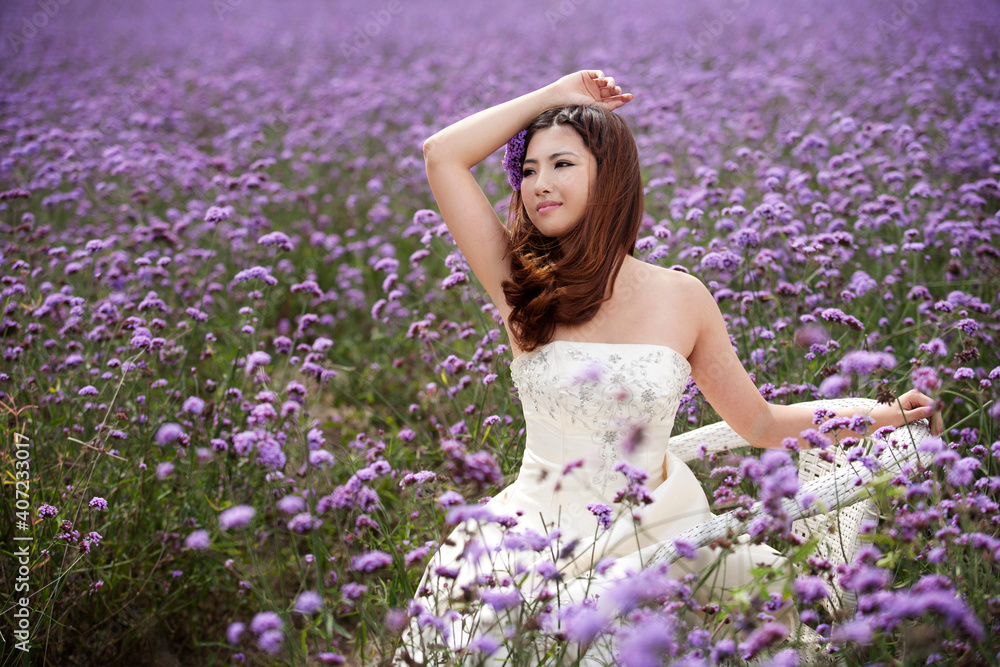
{"x": 560, "y": 163}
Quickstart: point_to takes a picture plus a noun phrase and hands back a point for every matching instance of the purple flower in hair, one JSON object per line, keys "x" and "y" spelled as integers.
{"x": 513, "y": 154}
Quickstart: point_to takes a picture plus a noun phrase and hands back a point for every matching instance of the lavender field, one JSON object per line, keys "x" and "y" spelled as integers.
{"x": 249, "y": 383}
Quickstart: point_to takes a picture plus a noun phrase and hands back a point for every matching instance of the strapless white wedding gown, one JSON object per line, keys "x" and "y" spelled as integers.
{"x": 585, "y": 405}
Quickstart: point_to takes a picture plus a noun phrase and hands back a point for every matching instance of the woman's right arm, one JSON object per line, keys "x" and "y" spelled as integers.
{"x": 450, "y": 154}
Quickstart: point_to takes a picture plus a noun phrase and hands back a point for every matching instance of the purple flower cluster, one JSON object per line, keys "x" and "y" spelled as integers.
{"x": 513, "y": 156}
{"x": 478, "y": 468}
{"x": 634, "y": 492}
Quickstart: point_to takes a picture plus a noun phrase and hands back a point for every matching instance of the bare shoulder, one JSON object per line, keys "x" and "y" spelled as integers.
{"x": 664, "y": 304}
{"x": 674, "y": 284}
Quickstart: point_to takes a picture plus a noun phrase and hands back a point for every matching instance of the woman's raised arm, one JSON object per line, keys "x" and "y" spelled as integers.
{"x": 452, "y": 152}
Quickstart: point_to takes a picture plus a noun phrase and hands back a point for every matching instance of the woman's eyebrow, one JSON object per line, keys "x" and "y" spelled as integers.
{"x": 553, "y": 156}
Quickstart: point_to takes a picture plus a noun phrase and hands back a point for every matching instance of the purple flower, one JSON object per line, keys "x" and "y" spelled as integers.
{"x": 291, "y": 504}
{"x": 320, "y": 458}
{"x": 603, "y": 514}
{"x": 631, "y": 591}
{"x": 255, "y": 359}
{"x": 256, "y": 272}
{"x": 501, "y": 599}
{"x": 925, "y": 379}
{"x": 685, "y": 548}
{"x": 513, "y": 156}
{"x": 264, "y": 621}
{"x": 279, "y": 239}
{"x": 164, "y": 469}
{"x": 237, "y": 516}
{"x": 725, "y": 648}
{"x": 964, "y": 373}
{"x": 270, "y": 641}
{"x": 353, "y": 590}
{"x": 962, "y": 473}
{"x": 198, "y": 540}
{"x": 303, "y": 523}
{"x": 418, "y": 478}
{"x": 633, "y": 474}
{"x": 865, "y": 579}
{"x": 193, "y": 405}
{"x": 417, "y": 554}
{"x": 934, "y": 346}
{"x": 463, "y": 513}
{"x": 485, "y": 644}
{"x": 583, "y": 622}
{"x": 810, "y": 589}
{"x": 865, "y": 363}
{"x": 761, "y": 638}
{"x": 810, "y": 334}
{"x": 234, "y": 632}
{"x": 786, "y": 658}
{"x": 837, "y": 315}
{"x": 652, "y": 641}
{"x": 370, "y": 561}
{"x": 450, "y": 499}
{"x": 861, "y": 283}
{"x": 456, "y": 278}
{"x": 634, "y": 436}
{"x": 724, "y": 260}
{"x": 168, "y": 433}
{"x": 969, "y": 326}
{"x": 478, "y": 467}
{"x": 98, "y": 503}
{"x": 270, "y": 454}
{"x": 835, "y": 386}
{"x": 309, "y": 602}
{"x": 47, "y": 511}
{"x": 218, "y": 214}
{"x": 854, "y": 632}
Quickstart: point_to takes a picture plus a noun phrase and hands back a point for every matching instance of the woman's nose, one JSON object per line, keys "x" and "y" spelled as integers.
{"x": 541, "y": 183}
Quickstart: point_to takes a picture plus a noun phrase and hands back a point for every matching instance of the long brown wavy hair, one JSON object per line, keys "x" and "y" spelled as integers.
{"x": 563, "y": 281}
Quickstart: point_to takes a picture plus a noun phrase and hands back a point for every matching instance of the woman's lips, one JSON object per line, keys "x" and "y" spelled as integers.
{"x": 548, "y": 207}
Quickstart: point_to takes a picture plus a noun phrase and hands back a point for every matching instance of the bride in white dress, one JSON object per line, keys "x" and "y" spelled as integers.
{"x": 603, "y": 345}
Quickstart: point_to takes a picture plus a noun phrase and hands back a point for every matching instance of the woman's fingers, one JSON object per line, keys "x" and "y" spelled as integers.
{"x": 921, "y": 406}
{"x": 936, "y": 420}
{"x": 591, "y": 86}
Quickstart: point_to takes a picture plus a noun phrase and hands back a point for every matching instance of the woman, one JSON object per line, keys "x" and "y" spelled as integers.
{"x": 603, "y": 344}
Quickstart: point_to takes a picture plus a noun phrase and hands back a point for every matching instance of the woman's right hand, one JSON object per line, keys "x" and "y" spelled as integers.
{"x": 586, "y": 87}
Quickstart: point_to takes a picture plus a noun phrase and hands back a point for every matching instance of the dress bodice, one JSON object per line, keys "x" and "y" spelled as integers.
{"x": 599, "y": 403}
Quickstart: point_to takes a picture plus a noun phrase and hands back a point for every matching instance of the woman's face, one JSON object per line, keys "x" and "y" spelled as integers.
{"x": 558, "y": 175}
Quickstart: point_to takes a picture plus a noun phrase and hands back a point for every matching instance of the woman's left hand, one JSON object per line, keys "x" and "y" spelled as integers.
{"x": 912, "y": 405}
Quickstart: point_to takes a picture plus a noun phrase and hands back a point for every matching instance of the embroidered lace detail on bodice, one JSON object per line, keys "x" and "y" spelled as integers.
{"x": 597, "y": 396}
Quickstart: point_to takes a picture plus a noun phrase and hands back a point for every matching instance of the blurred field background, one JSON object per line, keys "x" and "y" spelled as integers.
{"x": 224, "y": 285}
